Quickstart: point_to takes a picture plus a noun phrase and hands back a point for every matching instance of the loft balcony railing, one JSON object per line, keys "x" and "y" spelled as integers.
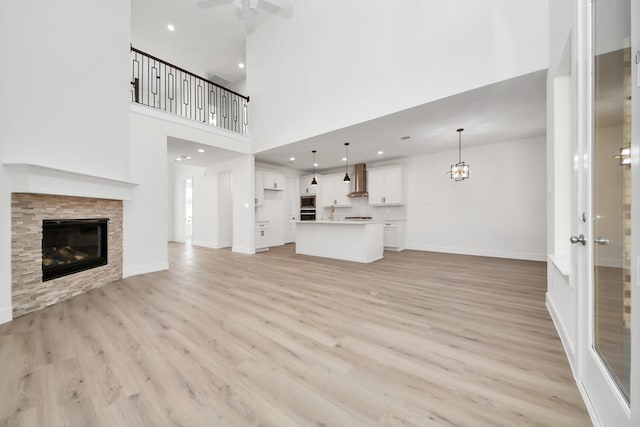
{"x": 159, "y": 84}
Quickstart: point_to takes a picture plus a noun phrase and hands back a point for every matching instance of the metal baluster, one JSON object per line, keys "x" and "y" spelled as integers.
{"x": 154, "y": 83}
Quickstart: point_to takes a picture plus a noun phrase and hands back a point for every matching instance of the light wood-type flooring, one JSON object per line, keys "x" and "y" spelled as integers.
{"x": 278, "y": 339}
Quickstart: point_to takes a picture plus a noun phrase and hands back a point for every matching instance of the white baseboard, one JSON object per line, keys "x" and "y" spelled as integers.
{"x": 6, "y": 315}
{"x": 210, "y": 245}
{"x": 241, "y": 250}
{"x": 562, "y": 333}
{"x": 568, "y": 349}
{"x": 591, "y": 409}
{"x": 480, "y": 252}
{"x": 146, "y": 268}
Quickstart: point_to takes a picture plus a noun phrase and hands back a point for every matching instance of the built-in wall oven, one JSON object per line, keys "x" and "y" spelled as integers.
{"x": 308, "y": 207}
{"x": 307, "y": 214}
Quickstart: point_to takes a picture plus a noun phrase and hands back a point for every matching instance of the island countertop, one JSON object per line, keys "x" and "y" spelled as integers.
{"x": 347, "y": 222}
{"x": 350, "y": 240}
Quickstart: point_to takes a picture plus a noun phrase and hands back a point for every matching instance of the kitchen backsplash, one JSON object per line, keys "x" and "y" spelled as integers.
{"x": 360, "y": 207}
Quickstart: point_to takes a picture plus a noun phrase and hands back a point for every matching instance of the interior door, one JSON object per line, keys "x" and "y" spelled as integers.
{"x": 605, "y": 249}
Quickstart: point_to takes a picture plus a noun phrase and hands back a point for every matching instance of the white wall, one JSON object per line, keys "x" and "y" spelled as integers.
{"x": 224, "y": 209}
{"x": 240, "y": 86}
{"x": 205, "y": 215}
{"x": 560, "y": 170}
{"x": 49, "y": 83}
{"x": 5, "y": 242}
{"x": 562, "y": 296}
{"x": 346, "y": 62}
{"x": 178, "y": 174}
{"x": 145, "y": 216}
{"x": 212, "y": 203}
{"x": 500, "y": 211}
{"x": 242, "y": 190}
{"x": 146, "y": 220}
{"x": 64, "y": 97}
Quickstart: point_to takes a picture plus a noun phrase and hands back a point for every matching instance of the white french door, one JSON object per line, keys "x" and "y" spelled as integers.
{"x": 605, "y": 159}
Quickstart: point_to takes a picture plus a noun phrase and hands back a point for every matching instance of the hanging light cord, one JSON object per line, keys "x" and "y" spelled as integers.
{"x": 460, "y": 145}
{"x": 314, "y": 163}
{"x": 346, "y": 165}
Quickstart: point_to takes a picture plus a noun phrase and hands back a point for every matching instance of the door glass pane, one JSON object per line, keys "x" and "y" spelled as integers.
{"x": 612, "y": 187}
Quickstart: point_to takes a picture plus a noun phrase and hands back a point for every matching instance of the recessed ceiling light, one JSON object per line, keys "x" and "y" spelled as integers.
{"x": 178, "y": 159}
{"x": 380, "y": 153}
{"x": 170, "y": 27}
{"x": 315, "y": 165}
{"x": 292, "y": 159}
{"x": 188, "y": 157}
{"x": 200, "y": 150}
{"x": 344, "y": 159}
{"x": 240, "y": 64}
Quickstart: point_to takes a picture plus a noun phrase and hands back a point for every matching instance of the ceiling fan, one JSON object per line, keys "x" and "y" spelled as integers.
{"x": 247, "y": 9}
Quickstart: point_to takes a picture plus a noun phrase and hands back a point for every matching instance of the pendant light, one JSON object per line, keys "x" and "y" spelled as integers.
{"x": 314, "y": 182}
{"x": 346, "y": 165}
{"x": 459, "y": 171}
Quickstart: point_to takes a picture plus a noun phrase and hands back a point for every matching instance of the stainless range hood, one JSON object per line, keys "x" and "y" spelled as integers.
{"x": 360, "y": 181}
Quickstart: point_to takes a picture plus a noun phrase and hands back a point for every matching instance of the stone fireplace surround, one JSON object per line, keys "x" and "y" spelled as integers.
{"x": 39, "y": 192}
{"x": 28, "y": 292}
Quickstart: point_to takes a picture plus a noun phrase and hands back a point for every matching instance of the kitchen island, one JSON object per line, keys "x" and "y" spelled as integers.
{"x": 359, "y": 241}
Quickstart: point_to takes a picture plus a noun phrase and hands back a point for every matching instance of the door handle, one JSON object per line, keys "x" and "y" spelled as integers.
{"x": 601, "y": 240}
{"x": 580, "y": 239}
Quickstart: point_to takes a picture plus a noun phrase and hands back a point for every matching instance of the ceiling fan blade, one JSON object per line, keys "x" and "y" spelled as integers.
{"x": 206, "y": 4}
{"x": 282, "y": 4}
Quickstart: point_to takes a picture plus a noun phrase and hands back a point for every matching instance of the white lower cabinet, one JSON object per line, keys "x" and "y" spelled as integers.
{"x": 262, "y": 236}
{"x": 394, "y": 235}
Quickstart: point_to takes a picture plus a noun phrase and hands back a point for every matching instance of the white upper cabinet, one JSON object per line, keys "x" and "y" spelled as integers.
{"x": 386, "y": 185}
{"x": 259, "y": 196}
{"x": 274, "y": 181}
{"x": 335, "y": 190}
{"x": 305, "y": 185}
{"x": 375, "y": 186}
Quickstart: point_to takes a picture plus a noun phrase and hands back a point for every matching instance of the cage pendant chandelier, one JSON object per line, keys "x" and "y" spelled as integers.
{"x": 459, "y": 171}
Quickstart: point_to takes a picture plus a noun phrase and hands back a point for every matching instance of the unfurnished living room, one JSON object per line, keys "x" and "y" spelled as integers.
{"x": 329, "y": 213}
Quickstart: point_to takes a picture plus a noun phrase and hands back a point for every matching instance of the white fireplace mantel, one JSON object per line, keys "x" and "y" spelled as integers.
{"x": 32, "y": 178}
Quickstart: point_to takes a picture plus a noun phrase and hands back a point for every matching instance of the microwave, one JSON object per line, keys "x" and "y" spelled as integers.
{"x": 308, "y": 202}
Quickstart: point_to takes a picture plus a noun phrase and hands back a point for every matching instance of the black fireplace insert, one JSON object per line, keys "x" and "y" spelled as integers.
{"x": 72, "y": 245}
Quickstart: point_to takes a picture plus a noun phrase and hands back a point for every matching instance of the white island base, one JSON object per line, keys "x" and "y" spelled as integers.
{"x": 359, "y": 241}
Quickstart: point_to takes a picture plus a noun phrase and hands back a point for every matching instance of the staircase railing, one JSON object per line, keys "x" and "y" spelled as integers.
{"x": 159, "y": 84}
